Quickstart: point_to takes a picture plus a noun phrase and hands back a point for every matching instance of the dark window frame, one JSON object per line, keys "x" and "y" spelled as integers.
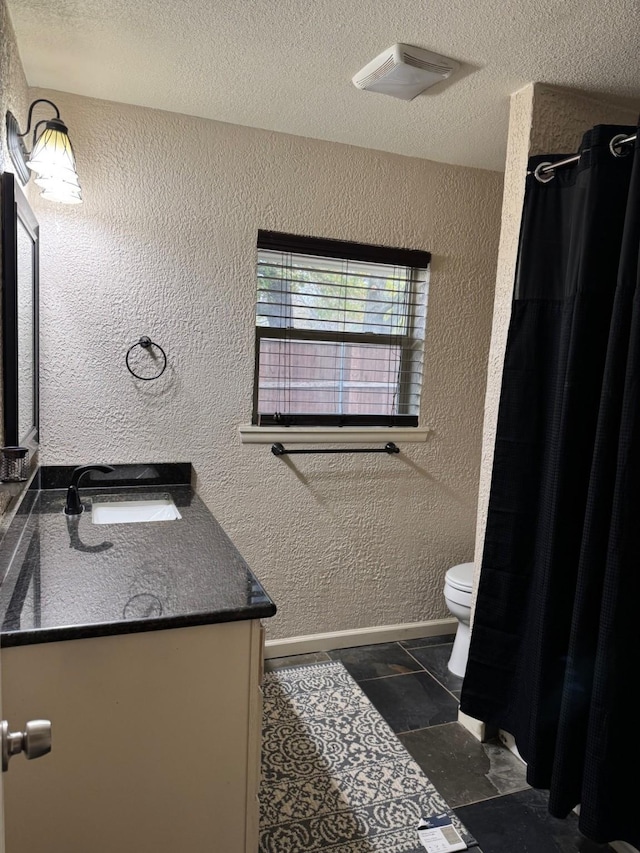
{"x": 345, "y": 250}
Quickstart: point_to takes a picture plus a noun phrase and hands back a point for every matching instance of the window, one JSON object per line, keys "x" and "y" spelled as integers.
{"x": 339, "y": 333}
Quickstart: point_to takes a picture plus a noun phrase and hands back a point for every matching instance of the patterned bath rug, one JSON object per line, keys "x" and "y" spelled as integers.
{"x": 334, "y": 776}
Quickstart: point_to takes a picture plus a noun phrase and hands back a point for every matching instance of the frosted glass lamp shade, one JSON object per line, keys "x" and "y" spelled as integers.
{"x": 46, "y": 180}
{"x": 52, "y": 154}
{"x": 62, "y": 199}
{"x": 55, "y": 189}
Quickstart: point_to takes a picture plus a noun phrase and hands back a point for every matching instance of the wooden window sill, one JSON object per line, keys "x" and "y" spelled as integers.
{"x": 250, "y": 434}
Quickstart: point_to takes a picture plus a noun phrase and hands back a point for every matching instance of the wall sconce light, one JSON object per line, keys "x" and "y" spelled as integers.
{"x": 51, "y": 157}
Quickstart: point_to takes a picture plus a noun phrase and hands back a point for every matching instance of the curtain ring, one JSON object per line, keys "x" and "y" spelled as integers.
{"x": 145, "y": 342}
{"x": 544, "y": 176}
{"x": 616, "y": 148}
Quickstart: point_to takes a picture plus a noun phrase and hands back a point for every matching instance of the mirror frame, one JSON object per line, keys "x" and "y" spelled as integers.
{"x": 15, "y": 209}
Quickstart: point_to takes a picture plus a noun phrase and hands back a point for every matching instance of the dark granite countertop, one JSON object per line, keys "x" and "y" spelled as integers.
{"x": 67, "y": 578}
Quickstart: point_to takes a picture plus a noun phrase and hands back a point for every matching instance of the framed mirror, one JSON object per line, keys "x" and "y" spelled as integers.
{"x": 20, "y": 316}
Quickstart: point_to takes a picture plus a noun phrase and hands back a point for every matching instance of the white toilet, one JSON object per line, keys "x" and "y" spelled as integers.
{"x": 457, "y": 593}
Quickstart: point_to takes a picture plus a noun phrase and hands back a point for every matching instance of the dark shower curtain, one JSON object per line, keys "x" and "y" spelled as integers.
{"x": 555, "y": 650}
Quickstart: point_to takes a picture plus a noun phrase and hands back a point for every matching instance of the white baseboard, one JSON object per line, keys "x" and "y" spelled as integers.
{"x": 481, "y": 731}
{"x": 509, "y": 741}
{"x": 358, "y": 637}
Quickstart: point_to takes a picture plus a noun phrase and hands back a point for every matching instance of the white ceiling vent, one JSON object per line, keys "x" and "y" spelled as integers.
{"x": 404, "y": 71}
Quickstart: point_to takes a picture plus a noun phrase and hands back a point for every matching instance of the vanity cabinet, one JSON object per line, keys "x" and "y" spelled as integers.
{"x": 156, "y": 742}
{"x": 142, "y": 643}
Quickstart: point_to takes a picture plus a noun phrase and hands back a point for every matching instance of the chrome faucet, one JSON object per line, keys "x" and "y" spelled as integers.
{"x": 73, "y": 505}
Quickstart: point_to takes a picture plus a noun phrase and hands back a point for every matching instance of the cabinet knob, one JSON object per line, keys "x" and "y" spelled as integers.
{"x": 34, "y": 741}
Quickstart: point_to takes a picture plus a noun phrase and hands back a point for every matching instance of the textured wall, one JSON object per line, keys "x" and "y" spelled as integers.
{"x": 543, "y": 119}
{"x": 561, "y": 116}
{"x": 165, "y": 245}
{"x": 514, "y": 182}
{"x": 14, "y": 96}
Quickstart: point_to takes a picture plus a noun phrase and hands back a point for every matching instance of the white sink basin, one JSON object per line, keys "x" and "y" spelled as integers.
{"x": 132, "y": 512}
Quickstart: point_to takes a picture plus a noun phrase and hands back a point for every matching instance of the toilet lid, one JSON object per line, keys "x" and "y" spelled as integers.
{"x": 461, "y": 577}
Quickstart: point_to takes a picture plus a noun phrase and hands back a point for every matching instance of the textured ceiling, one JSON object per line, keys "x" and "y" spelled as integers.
{"x": 286, "y": 65}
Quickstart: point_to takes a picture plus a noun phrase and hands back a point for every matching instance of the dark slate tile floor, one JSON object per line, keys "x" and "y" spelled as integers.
{"x": 520, "y": 822}
{"x": 489, "y": 768}
{"x": 376, "y": 661}
{"x": 435, "y": 659}
{"x": 413, "y": 701}
{"x": 410, "y": 685}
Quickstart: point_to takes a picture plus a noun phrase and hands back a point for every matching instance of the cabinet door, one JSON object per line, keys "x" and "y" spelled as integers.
{"x": 152, "y": 742}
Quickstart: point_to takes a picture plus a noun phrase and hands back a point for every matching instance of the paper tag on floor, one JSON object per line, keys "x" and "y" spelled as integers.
{"x": 438, "y": 835}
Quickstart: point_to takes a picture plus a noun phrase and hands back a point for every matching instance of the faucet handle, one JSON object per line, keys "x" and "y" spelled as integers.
{"x": 81, "y": 470}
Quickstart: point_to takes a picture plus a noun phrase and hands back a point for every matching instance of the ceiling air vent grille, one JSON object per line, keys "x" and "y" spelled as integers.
{"x": 404, "y": 71}
{"x": 377, "y": 73}
{"x": 444, "y": 70}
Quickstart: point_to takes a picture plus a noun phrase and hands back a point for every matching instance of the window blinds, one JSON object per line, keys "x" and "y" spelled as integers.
{"x": 339, "y": 336}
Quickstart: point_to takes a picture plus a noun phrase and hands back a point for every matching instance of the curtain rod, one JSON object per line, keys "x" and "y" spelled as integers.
{"x": 544, "y": 171}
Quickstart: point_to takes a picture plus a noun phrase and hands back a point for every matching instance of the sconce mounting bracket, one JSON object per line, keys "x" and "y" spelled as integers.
{"x": 17, "y": 149}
